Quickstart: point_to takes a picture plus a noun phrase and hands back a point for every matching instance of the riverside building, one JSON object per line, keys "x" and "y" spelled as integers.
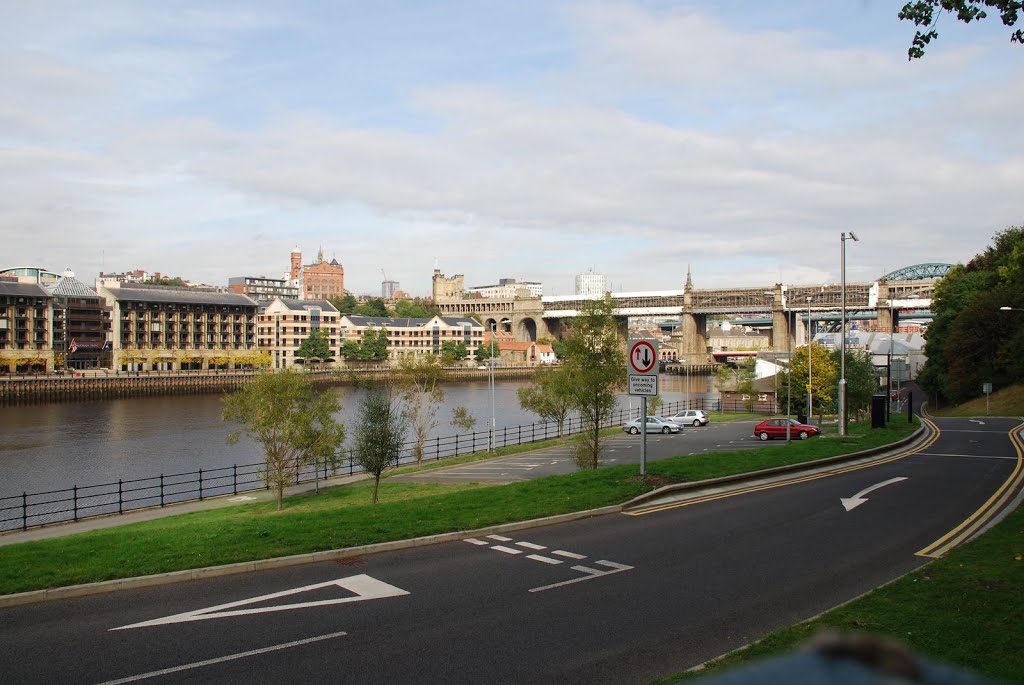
{"x": 283, "y": 324}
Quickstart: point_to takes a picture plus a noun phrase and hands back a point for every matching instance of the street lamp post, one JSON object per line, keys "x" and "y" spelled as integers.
{"x": 810, "y": 339}
{"x": 888, "y": 367}
{"x": 490, "y": 379}
{"x": 842, "y": 328}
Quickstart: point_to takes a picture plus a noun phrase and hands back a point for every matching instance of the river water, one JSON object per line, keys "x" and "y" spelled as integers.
{"x": 54, "y": 446}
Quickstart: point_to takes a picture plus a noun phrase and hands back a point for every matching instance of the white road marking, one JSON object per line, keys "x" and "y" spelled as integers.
{"x": 570, "y": 555}
{"x": 850, "y": 503}
{"x": 474, "y": 541}
{"x": 542, "y": 558}
{"x": 506, "y": 550}
{"x": 530, "y": 545}
{"x": 592, "y": 573}
{"x": 500, "y": 538}
{"x": 222, "y": 659}
{"x": 363, "y": 586}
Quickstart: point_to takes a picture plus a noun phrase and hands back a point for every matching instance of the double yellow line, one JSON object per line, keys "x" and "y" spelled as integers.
{"x": 792, "y": 481}
{"x": 988, "y": 510}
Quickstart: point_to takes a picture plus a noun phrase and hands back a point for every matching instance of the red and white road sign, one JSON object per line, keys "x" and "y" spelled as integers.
{"x": 643, "y": 358}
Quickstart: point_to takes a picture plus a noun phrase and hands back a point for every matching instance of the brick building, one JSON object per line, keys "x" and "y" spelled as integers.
{"x": 319, "y": 280}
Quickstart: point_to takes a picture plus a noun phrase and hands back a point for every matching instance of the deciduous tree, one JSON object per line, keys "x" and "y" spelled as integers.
{"x": 419, "y": 380}
{"x": 595, "y": 361}
{"x": 293, "y": 422}
{"x": 549, "y": 396}
{"x": 316, "y": 346}
{"x": 379, "y": 434}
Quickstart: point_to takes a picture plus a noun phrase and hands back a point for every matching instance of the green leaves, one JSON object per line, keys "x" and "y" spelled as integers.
{"x": 926, "y": 13}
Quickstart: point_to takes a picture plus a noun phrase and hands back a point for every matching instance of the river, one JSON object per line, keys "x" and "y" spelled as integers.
{"x": 53, "y": 446}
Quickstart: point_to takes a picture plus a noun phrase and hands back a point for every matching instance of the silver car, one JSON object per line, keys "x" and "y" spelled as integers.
{"x": 654, "y": 424}
{"x": 690, "y": 417}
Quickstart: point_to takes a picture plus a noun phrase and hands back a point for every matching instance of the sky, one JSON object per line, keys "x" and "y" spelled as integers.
{"x": 532, "y": 140}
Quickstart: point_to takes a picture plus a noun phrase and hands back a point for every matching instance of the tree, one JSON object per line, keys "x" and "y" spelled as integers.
{"x": 375, "y": 344}
{"x": 861, "y": 381}
{"x": 824, "y": 379}
{"x": 345, "y": 305}
{"x": 964, "y": 348}
{"x": 416, "y": 309}
{"x": 454, "y": 351}
{"x": 315, "y": 346}
{"x": 372, "y": 306}
{"x": 483, "y": 352}
{"x": 654, "y": 405}
{"x": 595, "y": 362}
{"x": 549, "y": 396}
{"x": 292, "y": 421}
{"x": 461, "y": 418}
{"x": 419, "y": 378}
{"x": 379, "y": 434}
{"x": 926, "y": 13}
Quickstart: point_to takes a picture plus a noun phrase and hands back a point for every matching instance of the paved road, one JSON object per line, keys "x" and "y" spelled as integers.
{"x": 620, "y": 449}
{"x": 610, "y": 599}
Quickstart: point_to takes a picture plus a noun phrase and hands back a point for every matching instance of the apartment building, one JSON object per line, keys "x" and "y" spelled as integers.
{"x": 26, "y": 338}
{"x": 261, "y": 288}
{"x": 407, "y": 336}
{"x": 283, "y": 324}
{"x": 81, "y": 324}
{"x": 172, "y": 328}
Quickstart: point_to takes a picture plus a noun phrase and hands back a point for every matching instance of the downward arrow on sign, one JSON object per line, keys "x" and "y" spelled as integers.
{"x": 859, "y": 499}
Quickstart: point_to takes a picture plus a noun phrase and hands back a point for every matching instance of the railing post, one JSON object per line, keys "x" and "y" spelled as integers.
{"x": 74, "y": 495}
{"x": 200, "y": 485}
{"x": 456, "y": 444}
{"x": 298, "y": 469}
{"x": 161, "y": 489}
{"x": 120, "y": 496}
{"x": 437, "y": 449}
{"x": 504, "y": 436}
{"x": 234, "y": 478}
{"x": 24, "y": 510}
{"x": 519, "y": 440}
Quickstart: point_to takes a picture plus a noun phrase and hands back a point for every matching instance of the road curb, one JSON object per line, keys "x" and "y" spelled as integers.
{"x": 674, "y": 488}
{"x": 86, "y": 589}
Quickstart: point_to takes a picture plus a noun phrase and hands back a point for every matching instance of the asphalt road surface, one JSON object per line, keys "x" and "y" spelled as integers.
{"x": 611, "y": 599}
{"x": 622, "y": 448}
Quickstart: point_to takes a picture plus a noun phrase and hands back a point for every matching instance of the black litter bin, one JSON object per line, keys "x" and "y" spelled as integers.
{"x": 878, "y": 403}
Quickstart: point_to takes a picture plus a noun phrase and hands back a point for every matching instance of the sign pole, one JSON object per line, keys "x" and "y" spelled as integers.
{"x": 643, "y": 439}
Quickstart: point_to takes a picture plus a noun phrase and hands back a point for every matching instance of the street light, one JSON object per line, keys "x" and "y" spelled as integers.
{"x": 490, "y": 379}
{"x": 810, "y": 339}
{"x": 842, "y": 329}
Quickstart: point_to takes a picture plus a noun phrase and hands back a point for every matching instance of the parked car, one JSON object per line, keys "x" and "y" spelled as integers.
{"x": 654, "y": 424}
{"x": 690, "y": 417}
{"x": 776, "y": 428}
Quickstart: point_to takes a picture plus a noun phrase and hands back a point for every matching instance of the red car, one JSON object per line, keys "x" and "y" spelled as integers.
{"x": 776, "y": 428}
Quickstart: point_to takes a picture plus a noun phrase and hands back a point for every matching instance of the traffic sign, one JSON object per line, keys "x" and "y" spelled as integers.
{"x": 643, "y": 358}
{"x": 645, "y": 386}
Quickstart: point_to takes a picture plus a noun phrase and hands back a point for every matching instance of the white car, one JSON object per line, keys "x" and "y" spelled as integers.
{"x": 654, "y": 424}
{"x": 690, "y": 417}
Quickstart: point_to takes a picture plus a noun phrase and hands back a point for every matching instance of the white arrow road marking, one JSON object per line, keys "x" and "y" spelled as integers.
{"x": 859, "y": 499}
{"x": 363, "y": 586}
{"x": 977, "y": 421}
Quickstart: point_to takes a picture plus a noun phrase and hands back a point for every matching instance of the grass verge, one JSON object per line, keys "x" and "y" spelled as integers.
{"x": 964, "y": 609}
{"x": 1006, "y": 402}
{"x": 342, "y": 517}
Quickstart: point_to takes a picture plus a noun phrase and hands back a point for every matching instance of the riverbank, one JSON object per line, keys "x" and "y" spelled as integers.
{"x": 92, "y": 385}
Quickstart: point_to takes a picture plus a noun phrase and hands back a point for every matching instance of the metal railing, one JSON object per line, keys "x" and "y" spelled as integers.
{"x": 29, "y": 510}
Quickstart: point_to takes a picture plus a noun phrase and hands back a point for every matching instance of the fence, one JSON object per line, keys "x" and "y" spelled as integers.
{"x": 29, "y": 510}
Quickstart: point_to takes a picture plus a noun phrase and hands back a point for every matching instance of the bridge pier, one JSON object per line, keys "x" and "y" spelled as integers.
{"x": 691, "y": 338}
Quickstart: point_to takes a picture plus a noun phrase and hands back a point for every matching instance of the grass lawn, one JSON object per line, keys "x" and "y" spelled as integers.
{"x": 1006, "y": 402}
{"x": 343, "y": 517}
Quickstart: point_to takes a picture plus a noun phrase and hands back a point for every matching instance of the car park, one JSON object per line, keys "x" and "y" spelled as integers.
{"x": 690, "y": 417}
{"x": 653, "y": 424}
{"x": 776, "y": 428}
